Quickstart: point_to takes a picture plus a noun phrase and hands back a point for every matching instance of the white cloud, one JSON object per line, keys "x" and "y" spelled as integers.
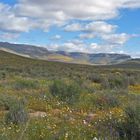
{"x": 10, "y": 22}
{"x": 56, "y": 37}
{"x": 118, "y": 39}
{"x": 43, "y": 14}
{"x": 30, "y": 14}
{"x": 101, "y": 48}
{"x": 70, "y": 46}
{"x": 100, "y": 27}
{"x": 73, "y": 27}
{"x": 65, "y": 9}
{"x": 131, "y": 4}
{"x": 110, "y": 43}
{"x": 74, "y": 9}
{"x": 79, "y": 46}
{"x": 87, "y": 36}
{"x": 76, "y": 41}
{"x": 96, "y": 27}
{"x": 95, "y": 47}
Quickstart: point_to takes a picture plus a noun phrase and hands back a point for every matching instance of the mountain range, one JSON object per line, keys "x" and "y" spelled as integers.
{"x": 62, "y": 56}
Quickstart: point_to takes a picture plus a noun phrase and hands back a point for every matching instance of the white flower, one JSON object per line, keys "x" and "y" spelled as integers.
{"x": 95, "y": 138}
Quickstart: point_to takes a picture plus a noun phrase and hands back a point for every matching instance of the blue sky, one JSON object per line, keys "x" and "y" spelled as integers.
{"x": 111, "y": 26}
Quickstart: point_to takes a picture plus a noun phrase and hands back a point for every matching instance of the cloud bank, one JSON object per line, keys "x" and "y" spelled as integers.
{"x": 27, "y": 15}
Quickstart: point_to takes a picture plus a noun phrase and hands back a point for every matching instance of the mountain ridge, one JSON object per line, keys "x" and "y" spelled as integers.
{"x": 62, "y": 56}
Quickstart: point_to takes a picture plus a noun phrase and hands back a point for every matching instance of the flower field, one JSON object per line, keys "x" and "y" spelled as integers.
{"x": 42, "y": 100}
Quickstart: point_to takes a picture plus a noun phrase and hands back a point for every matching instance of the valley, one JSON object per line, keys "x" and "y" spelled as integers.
{"x": 62, "y": 56}
{"x": 41, "y": 99}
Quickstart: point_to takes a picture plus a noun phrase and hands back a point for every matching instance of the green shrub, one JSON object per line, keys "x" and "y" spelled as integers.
{"x": 133, "y": 78}
{"x": 6, "y": 101}
{"x": 113, "y": 81}
{"x": 86, "y": 102}
{"x": 67, "y": 92}
{"x": 2, "y": 75}
{"x": 27, "y": 84}
{"x": 97, "y": 101}
{"x": 106, "y": 101}
{"x": 96, "y": 78}
{"x": 17, "y": 113}
{"x": 111, "y": 101}
{"x": 130, "y": 128}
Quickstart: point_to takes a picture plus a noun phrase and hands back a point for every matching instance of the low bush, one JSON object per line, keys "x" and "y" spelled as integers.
{"x": 96, "y": 78}
{"x": 67, "y": 92}
{"x": 106, "y": 101}
{"x": 6, "y": 101}
{"x": 130, "y": 128}
{"x": 17, "y": 113}
{"x": 97, "y": 101}
{"x": 27, "y": 84}
{"x": 2, "y": 75}
{"x": 113, "y": 81}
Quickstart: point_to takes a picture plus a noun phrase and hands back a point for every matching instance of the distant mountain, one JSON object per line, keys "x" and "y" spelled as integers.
{"x": 99, "y": 58}
{"x": 61, "y": 56}
{"x": 22, "y": 49}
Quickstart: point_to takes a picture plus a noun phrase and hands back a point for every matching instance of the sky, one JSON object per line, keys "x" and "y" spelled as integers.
{"x": 90, "y": 26}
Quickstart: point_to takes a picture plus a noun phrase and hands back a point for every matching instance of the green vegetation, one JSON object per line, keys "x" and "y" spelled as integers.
{"x": 130, "y": 127}
{"x": 42, "y": 100}
{"x": 17, "y": 113}
{"x": 66, "y": 92}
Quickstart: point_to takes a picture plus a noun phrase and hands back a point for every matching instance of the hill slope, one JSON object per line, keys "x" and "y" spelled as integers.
{"x": 18, "y": 62}
{"x": 61, "y": 56}
{"x": 28, "y": 50}
{"x": 66, "y": 97}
